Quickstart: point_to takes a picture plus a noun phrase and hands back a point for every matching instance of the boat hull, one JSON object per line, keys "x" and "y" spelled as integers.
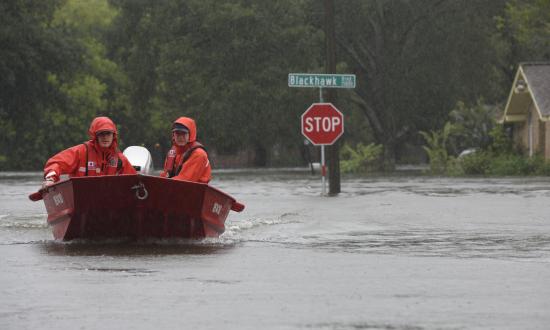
{"x": 136, "y": 207}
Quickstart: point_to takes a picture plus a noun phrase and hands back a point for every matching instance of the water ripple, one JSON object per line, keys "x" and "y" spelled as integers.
{"x": 439, "y": 243}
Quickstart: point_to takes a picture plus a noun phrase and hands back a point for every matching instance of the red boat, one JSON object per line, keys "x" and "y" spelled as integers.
{"x": 136, "y": 207}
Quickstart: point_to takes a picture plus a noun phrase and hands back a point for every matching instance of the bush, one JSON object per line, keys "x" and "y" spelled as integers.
{"x": 539, "y": 165}
{"x": 472, "y": 125}
{"x": 509, "y": 164}
{"x": 476, "y": 163}
{"x": 454, "y": 167}
{"x": 436, "y": 148}
{"x": 500, "y": 142}
{"x": 498, "y": 158}
{"x": 489, "y": 163}
{"x": 362, "y": 159}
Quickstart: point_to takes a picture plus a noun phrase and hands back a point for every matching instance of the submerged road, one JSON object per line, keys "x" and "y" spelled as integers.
{"x": 388, "y": 253}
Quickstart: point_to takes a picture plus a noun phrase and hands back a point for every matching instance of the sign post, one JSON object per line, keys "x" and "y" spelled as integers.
{"x": 322, "y": 124}
{"x": 315, "y": 80}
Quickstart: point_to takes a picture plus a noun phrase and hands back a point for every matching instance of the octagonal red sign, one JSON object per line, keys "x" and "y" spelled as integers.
{"x": 322, "y": 123}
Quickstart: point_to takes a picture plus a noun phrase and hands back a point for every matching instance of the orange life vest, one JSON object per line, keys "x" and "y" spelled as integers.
{"x": 170, "y": 167}
{"x": 94, "y": 165}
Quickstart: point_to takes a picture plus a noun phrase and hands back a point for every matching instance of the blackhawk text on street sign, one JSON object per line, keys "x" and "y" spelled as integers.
{"x": 321, "y": 80}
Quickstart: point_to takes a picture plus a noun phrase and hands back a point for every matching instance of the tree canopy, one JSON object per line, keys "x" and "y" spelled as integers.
{"x": 225, "y": 63}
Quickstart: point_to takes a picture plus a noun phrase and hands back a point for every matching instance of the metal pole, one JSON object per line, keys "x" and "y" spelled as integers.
{"x": 323, "y": 171}
{"x": 323, "y": 163}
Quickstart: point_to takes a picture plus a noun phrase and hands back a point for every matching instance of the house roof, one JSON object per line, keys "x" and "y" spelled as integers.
{"x": 531, "y": 87}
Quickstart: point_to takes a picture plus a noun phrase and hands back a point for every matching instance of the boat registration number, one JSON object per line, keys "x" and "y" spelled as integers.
{"x": 216, "y": 208}
{"x": 58, "y": 199}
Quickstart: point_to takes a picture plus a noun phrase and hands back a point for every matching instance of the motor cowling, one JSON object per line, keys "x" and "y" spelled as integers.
{"x": 140, "y": 158}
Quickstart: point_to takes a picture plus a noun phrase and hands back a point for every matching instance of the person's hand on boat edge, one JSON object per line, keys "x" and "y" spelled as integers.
{"x": 49, "y": 180}
{"x": 96, "y": 157}
{"x": 46, "y": 184}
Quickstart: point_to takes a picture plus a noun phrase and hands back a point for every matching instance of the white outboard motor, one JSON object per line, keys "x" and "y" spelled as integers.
{"x": 140, "y": 158}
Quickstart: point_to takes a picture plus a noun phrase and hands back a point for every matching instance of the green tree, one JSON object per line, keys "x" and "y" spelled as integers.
{"x": 91, "y": 89}
{"x": 32, "y": 51}
{"x": 222, "y": 62}
{"x": 415, "y": 59}
{"x": 525, "y": 28}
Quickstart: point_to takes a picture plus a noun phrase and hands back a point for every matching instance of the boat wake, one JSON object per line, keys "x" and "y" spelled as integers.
{"x": 132, "y": 248}
{"x": 240, "y": 230}
{"x": 23, "y": 221}
{"x": 443, "y": 243}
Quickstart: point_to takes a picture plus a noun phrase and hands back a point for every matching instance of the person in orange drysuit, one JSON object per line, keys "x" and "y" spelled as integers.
{"x": 98, "y": 156}
{"x": 187, "y": 159}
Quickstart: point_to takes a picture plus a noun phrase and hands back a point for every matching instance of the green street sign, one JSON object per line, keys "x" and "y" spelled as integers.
{"x": 321, "y": 80}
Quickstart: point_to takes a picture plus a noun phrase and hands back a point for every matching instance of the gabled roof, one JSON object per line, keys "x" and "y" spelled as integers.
{"x": 531, "y": 87}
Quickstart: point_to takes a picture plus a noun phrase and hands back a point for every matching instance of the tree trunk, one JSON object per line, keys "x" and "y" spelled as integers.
{"x": 260, "y": 156}
{"x": 389, "y": 155}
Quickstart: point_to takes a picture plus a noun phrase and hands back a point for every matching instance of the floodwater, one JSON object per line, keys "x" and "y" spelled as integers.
{"x": 387, "y": 253}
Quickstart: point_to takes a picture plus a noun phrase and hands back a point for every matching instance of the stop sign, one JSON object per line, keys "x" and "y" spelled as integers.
{"x": 322, "y": 123}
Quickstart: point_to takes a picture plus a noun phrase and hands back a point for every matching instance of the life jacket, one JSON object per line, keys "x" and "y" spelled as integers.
{"x": 170, "y": 167}
{"x": 92, "y": 165}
